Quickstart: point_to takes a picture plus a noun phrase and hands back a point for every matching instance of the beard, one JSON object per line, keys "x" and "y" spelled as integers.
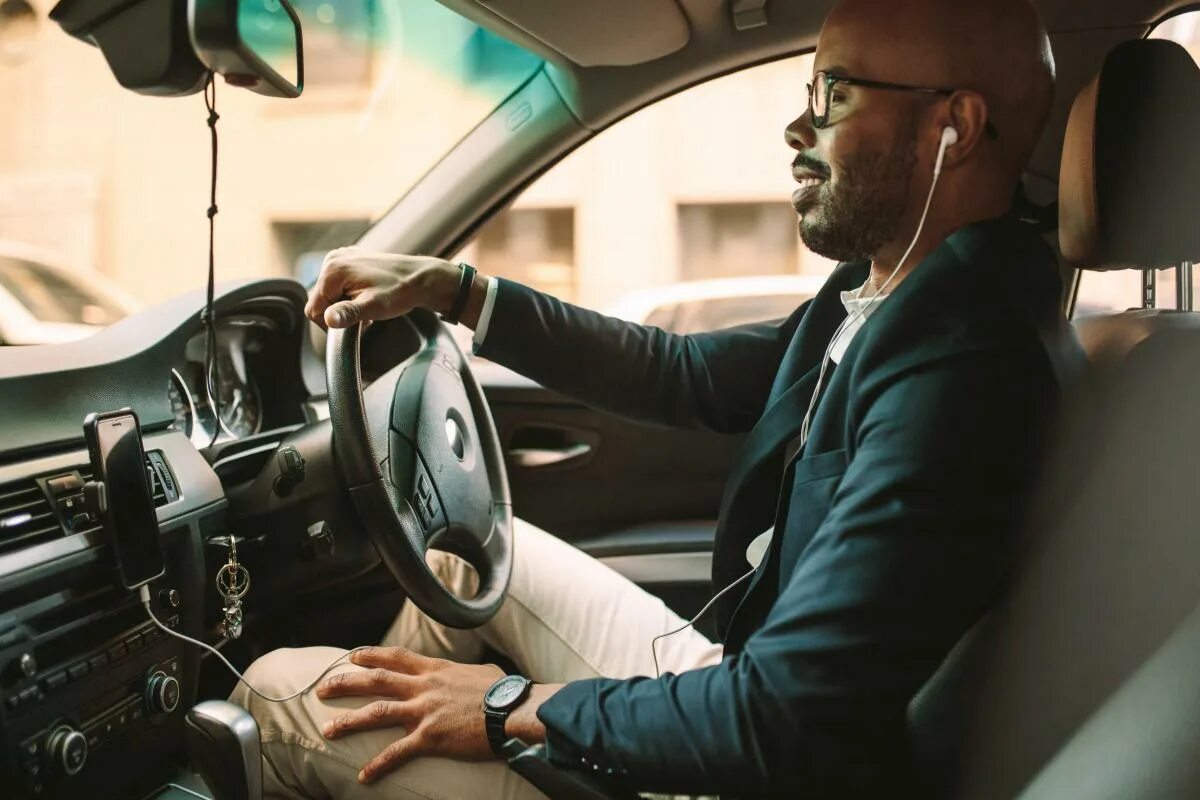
{"x": 852, "y": 218}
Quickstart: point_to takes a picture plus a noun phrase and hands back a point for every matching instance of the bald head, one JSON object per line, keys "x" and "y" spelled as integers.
{"x": 997, "y": 48}
{"x": 909, "y": 69}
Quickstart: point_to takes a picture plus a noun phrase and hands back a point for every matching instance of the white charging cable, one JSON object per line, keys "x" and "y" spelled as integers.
{"x": 144, "y": 596}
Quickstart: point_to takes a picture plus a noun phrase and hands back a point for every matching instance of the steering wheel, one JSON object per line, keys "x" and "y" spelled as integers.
{"x": 419, "y": 454}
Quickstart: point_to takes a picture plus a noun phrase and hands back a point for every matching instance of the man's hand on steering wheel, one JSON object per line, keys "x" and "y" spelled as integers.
{"x": 416, "y": 449}
{"x": 357, "y": 285}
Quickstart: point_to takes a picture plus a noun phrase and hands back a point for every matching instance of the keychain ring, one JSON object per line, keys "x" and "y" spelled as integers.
{"x": 233, "y": 581}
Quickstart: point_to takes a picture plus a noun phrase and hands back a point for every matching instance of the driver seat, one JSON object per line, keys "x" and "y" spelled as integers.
{"x": 1083, "y": 680}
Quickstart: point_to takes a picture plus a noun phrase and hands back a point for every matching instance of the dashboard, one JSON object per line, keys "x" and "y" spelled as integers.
{"x": 91, "y": 696}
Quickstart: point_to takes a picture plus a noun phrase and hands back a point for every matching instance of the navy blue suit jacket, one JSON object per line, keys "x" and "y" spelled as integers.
{"x": 894, "y": 525}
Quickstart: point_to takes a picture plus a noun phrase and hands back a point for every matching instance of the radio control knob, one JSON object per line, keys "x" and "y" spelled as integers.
{"x": 67, "y": 750}
{"x": 162, "y": 693}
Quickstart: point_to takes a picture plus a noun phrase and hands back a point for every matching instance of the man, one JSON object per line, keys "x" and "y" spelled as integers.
{"x": 891, "y": 449}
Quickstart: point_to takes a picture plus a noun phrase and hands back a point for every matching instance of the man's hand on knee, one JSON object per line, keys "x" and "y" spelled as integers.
{"x": 439, "y": 703}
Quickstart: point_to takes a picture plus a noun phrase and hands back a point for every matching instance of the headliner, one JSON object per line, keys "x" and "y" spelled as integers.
{"x": 667, "y": 45}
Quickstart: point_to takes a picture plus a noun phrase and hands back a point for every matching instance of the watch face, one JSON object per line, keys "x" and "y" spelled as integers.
{"x": 505, "y": 692}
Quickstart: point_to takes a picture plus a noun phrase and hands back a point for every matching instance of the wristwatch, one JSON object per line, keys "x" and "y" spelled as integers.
{"x": 498, "y": 702}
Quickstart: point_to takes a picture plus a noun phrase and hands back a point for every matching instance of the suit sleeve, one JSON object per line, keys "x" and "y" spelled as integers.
{"x": 719, "y": 381}
{"x": 914, "y": 544}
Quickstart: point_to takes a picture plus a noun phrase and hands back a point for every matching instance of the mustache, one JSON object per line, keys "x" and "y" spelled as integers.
{"x": 811, "y": 164}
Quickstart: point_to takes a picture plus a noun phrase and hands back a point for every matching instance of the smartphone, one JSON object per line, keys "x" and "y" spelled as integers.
{"x": 130, "y": 522}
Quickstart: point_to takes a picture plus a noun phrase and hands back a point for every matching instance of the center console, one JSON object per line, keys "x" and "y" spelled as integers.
{"x": 93, "y": 694}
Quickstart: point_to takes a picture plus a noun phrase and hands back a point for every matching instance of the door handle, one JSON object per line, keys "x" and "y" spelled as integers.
{"x": 537, "y": 457}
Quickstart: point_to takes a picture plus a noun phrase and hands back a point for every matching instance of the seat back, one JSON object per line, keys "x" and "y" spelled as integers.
{"x": 1053, "y": 694}
{"x": 1126, "y": 174}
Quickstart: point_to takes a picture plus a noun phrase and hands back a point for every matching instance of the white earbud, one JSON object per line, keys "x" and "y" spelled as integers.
{"x": 949, "y": 137}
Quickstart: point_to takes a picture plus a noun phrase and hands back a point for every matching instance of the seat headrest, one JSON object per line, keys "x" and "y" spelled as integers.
{"x": 1130, "y": 165}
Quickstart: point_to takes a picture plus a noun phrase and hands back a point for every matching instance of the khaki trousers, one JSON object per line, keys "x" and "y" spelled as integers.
{"x": 567, "y": 617}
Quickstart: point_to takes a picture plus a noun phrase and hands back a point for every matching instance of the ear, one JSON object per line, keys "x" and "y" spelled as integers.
{"x": 967, "y": 113}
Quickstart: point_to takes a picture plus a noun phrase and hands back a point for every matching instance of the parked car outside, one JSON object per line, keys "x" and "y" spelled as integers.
{"x": 695, "y": 306}
{"x": 43, "y": 301}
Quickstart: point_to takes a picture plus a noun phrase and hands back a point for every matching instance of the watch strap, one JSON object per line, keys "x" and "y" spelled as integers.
{"x": 494, "y": 724}
{"x": 466, "y": 279}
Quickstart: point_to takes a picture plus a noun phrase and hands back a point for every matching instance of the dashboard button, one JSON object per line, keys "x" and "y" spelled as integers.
{"x": 97, "y": 661}
{"x": 13, "y": 702}
{"x": 31, "y": 748}
{"x": 77, "y": 671}
{"x": 134, "y": 642}
{"x": 55, "y": 680}
{"x": 30, "y": 694}
{"x": 116, "y": 651}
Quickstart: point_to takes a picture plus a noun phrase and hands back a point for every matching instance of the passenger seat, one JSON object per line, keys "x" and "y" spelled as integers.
{"x": 1129, "y": 185}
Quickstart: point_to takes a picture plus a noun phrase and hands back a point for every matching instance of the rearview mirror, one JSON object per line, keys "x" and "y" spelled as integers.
{"x": 255, "y": 44}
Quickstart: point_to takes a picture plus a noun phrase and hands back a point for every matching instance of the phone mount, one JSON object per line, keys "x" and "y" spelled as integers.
{"x": 95, "y": 499}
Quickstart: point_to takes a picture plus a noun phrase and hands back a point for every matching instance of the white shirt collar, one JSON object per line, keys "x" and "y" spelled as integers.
{"x": 859, "y": 307}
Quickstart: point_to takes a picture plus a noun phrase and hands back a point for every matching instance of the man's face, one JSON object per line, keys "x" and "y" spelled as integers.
{"x": 856, "y": 174}
{"x": 852, "y": 202}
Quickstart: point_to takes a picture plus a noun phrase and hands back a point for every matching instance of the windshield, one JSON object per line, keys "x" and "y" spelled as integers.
{"x": 115, "y": 184}
{"x": 51, "y": 295}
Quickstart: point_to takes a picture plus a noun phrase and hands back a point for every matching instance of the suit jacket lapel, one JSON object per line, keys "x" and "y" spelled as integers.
{"x": 807, "y": 347}
{"x": 748, "y": 506}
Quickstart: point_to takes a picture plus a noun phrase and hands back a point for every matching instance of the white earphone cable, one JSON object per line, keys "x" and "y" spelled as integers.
{"x": 692, "y": 621}
{"x": 947, "y": 140}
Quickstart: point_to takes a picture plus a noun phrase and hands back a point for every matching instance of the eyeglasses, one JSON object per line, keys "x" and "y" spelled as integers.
{"x": 821, "y": 90}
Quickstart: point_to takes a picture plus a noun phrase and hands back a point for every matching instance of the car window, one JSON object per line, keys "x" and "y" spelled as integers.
{"x": 51, "y": 296}
{"x": 1117, "y": 290}
{"x": 663, "y": 317}
{"x": 695, "y": 187}
{"x": 725, "y": 312}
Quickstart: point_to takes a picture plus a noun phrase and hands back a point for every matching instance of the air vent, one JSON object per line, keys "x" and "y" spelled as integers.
{"x": 26, "y": 517}
{"x": 162, "y": 482}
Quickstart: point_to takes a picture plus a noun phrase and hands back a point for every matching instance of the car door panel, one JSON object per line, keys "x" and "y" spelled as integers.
{"x": 610, "y": 486}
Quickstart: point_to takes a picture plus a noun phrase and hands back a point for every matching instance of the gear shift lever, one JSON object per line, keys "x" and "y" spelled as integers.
{"x": 223, "y": 745}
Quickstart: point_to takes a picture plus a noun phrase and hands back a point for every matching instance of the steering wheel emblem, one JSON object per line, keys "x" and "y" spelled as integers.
{"x": 454, "y": 435}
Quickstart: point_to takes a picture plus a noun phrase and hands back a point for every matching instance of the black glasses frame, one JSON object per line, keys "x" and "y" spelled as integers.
{"x": 828, "y": 81}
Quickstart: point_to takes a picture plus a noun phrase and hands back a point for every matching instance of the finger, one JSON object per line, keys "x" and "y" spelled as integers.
{"x": 379, "y": 682}
{"x": 343, "y": 314}
{"x": 395, "y": 755}
{"x": 330, "y": 285}
{"x": 380, "y": 714}
{"x": 393, "y": 658}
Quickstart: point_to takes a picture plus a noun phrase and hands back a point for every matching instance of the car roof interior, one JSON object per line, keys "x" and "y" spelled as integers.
{"x": 609, "y": 59}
